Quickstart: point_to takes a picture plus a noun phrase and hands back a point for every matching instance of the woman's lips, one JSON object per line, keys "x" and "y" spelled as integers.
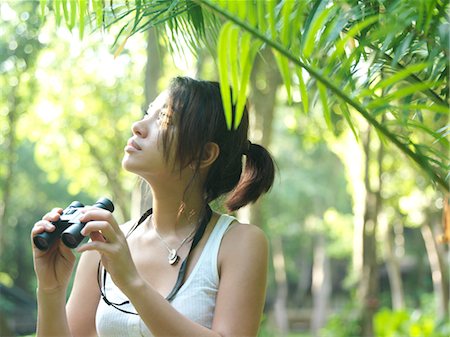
{"x": 132, "y": 146}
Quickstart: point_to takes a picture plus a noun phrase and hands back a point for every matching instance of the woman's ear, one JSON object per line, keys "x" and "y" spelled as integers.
{"x": 210, "y": 154}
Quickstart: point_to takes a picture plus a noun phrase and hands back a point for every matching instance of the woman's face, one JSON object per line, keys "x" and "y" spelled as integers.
{"x": 144, "y": 150}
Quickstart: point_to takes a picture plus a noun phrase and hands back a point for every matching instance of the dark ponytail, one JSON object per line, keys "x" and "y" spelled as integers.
{"x": 256, "y": 179}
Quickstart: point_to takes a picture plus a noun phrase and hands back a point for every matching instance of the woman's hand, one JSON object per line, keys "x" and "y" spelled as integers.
{"x": 54, "y": 266}
{"x": 108, "y": 239}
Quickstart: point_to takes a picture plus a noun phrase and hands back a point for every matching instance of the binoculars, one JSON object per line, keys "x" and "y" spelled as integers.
{"x": 68, "y": 226}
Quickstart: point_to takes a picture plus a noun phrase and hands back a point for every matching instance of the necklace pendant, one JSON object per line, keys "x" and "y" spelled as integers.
{"x": 173, "y": 256}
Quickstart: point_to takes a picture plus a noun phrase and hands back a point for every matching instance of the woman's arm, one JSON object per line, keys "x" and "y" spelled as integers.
{"x": 53, "y": 268}
{"x": 84, "y": 298}
{"x": 51, "y": 318}
{"x": 243, "y": 260}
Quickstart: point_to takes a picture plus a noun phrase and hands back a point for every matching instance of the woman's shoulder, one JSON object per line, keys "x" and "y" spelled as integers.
{"x": 244, "y": 251}
{"x": 244, "y": 238}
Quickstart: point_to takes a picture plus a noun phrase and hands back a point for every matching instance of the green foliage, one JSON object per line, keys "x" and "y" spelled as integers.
{"x": 401, "y": 323}
{"x": 343, "y": 323}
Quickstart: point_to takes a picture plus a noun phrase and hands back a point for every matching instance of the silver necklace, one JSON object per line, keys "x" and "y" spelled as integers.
{"x": 173, "y": 256}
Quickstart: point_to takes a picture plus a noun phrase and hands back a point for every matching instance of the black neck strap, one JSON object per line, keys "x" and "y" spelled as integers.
{"x": 205, "y": 219}
{"x": 198, "y": 235}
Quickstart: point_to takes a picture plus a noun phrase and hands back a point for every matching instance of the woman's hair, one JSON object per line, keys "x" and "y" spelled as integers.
{"x": 196, "y": 109}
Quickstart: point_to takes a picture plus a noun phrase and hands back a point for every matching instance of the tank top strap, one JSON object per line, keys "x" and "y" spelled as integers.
{"x": 211, "y": 250}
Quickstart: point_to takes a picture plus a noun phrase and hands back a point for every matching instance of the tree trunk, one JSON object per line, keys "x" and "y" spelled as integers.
{"x": 393, "y": 265}
{"x": 439, "y": 270}
{"x": 304, "y": 267}
{"x": 280, "y": 306}
{"x": 321, "y": 286}
{"x": 368, "y": 287}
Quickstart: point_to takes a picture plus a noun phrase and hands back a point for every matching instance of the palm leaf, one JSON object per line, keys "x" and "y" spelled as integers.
{"x": 222, "y": 47}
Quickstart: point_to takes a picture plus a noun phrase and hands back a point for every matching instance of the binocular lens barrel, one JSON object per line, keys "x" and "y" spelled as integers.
{"x": 104, "y": 203}
{"x": 43, "y": 240}
{"x": 72, "y": 236}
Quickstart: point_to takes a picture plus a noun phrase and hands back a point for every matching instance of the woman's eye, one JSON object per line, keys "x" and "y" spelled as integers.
{"x": 144, "y": 113}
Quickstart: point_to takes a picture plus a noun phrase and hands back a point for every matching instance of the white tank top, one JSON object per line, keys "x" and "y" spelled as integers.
{"x": 196, "y": 298}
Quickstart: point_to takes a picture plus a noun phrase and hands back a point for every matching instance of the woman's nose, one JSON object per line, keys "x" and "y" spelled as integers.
{"x": 138, "y": 129}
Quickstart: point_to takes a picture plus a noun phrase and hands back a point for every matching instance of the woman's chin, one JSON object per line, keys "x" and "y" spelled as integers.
{"x": 126, "y": 165}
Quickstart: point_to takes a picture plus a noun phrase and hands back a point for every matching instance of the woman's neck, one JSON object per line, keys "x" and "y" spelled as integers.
{"x": 174, "y": 211}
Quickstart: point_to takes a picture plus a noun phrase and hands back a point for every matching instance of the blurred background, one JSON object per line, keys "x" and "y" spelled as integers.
{"x": 353, "y": 225}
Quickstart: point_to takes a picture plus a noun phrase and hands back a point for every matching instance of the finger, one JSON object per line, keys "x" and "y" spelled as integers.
{"x": 101, "y": 247}
{"x": 53, "y": 215}
{"x": 97, "y": 236}
{"x": 42, "y": 226}
{"x": 98, "y": 214}
{"x": 102, "y": 227}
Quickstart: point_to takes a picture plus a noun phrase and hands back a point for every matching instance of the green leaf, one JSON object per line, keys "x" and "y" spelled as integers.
{"x": 296, "y": 26}
{"x": 97, "y": 6}
{"x": 252, "y": 13}
{"x": 310, "y": 37}
{"x": 283, "y": 66}
{"x": 326, "y": 108}
{"x": 303, "y": 90}
{"x": 57, "y": 9}
{"x": 234, "y": 62}
{"x": 424, "y": 107}
{"x": 340, "y": 46}
{"x": 317, "y": 7}
{"x": 438, "y": 138}
{"x": 137, "y": 14}
{"x": 260, "y": 7}
{"x": 287, "y": 22}
{"x": 348, "y": 118}
{"x": 66, "y": 12}
{"x": 245, "y": 78}
{"x": 400, "y": 75}
{"x": 241, "y": 9}
{"x": 73, "y": 14}
{"x": 222, "y": 51}
{"x": 271, "y": 16}
{"x": 43, "y": 4}
{"x": 83, "y": 7}
{"x": 400, "y": 93}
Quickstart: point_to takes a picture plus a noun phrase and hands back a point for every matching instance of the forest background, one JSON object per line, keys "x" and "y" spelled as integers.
{"x": 355, "y": 112}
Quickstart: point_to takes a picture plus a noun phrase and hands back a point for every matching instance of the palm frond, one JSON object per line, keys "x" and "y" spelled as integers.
{"x": 378, "y": 59}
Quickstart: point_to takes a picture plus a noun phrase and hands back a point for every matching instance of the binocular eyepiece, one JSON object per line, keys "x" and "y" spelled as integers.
{"x": 68, "y": 226}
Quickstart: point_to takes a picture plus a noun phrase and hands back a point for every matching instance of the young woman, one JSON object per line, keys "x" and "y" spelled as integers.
{"x": 181, "y": 269}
